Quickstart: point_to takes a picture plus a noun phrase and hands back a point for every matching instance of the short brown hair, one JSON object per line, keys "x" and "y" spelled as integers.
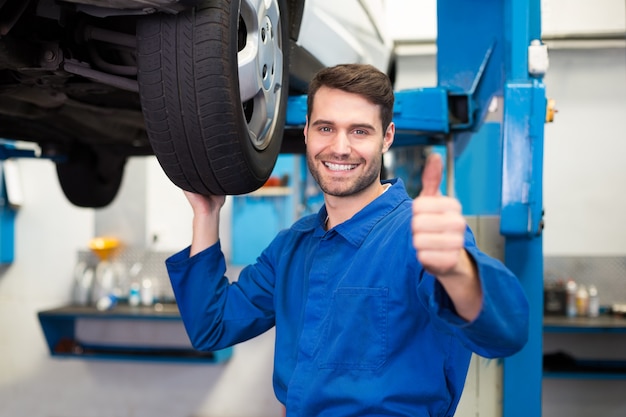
{"x": 362, "y": 79}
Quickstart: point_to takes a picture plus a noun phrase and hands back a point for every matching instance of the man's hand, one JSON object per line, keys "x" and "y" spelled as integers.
{"x": 438, "y": 230}
{"x": 438, "y": 225}
{"x": 205, "y": 204}
{"x": 206, "y": 220}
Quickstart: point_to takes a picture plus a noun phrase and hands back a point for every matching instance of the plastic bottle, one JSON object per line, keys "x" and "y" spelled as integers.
{"x": 134, "y": 294}
{"x": 570, "y": 298}
{"x": 594, "y": 302}
{"x": 147, "y": 292}
{"x": 106, "y": 302}
{"x": 582, "y": 301}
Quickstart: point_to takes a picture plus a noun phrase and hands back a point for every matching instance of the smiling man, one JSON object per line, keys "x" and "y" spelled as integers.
{"x": 378, "y": 300}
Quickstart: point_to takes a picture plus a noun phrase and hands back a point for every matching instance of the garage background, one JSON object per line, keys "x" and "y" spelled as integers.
{"x": 584, "y": 179}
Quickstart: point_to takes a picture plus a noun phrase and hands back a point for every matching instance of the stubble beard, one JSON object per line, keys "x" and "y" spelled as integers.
{"x": 348, "y": 186}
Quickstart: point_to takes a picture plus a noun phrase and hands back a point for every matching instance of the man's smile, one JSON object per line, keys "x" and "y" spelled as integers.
{"x": 339, "y": 167}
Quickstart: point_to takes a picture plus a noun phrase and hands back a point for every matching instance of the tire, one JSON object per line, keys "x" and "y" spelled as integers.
{"x": 90, "y": 177}
{"x": 215, "y": 116}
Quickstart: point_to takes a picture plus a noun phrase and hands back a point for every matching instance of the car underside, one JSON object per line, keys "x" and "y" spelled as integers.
{"x": 201, "y": 84}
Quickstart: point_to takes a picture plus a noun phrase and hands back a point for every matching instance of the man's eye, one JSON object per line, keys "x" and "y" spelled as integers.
{"x": 325, "y": 129}
{"x": 360, "y": 132}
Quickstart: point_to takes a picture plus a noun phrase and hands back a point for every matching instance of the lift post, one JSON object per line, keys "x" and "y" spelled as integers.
{"x": 505, "y": 28}
{"x": 8, "y": 209}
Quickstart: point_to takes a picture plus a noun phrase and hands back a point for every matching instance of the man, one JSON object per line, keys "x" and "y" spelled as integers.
{"x": 378, "y": 301}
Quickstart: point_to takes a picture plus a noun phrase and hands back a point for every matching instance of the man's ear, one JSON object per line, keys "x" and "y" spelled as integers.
{"x": 306, "y": 128}
{"x": 389, "y": 136}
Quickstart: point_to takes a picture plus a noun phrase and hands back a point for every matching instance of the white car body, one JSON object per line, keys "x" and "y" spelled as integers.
{"x": 346, "y": 31}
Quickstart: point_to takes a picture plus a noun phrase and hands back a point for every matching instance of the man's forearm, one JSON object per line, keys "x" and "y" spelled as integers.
{"x": 205, "y": 231}
{"x": 463, "y": 288}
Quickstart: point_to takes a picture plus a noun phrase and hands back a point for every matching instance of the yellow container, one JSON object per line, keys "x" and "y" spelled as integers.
{"x": 104, "y": 247}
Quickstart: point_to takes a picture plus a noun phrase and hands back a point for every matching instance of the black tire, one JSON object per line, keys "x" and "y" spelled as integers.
{"x": 206, "y": 137}
{"x": 90, "y": 177}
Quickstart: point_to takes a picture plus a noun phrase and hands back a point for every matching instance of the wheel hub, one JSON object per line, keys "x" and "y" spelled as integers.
{"x": 260, "y": 65}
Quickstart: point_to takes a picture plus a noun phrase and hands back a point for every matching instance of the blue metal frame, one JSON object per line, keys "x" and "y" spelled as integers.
{"x": 59, "y": 327}
{"x": 8, "y": 212}
{"x": 7, "y": 225}
{"x": 504, "y": 28}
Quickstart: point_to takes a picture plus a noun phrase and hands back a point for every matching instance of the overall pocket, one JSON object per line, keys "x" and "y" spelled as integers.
{"x": 355, "y": 334}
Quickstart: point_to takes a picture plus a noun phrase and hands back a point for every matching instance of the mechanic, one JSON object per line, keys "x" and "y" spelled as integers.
{"x": 378, "y": 300}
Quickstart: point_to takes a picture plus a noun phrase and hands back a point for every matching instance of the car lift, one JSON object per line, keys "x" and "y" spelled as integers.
{"x": 489, "y": 49}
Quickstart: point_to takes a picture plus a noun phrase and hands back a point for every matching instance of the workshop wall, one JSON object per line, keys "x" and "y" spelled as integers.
{"x": 584, "y": 237}
{"x": 584, "y": 172}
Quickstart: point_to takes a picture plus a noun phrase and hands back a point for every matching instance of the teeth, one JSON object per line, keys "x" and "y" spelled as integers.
{"x": 339, "y": 167}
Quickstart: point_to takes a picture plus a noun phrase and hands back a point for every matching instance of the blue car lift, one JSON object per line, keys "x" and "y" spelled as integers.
{"x": 7, "y": 210}
{"x": 482, "y": 54}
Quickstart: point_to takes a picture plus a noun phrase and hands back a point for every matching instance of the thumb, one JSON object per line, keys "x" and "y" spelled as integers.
{"x": 431, "y": 175}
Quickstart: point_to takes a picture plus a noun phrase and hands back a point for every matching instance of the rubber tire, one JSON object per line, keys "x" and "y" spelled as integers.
{"x": 89, "y": 177}
{"x": 189, "y": 89}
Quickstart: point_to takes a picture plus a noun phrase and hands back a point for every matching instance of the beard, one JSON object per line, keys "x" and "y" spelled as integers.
{"x": 344, "y": 187}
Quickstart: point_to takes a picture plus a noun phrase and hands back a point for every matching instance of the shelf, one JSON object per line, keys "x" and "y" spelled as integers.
{"x": 583, "y": 375}
{"x": 153, "y": 333}
{"x": 563, "y": 365}
{"x": 582, "y": 370}
{"x": 602, "y": 324}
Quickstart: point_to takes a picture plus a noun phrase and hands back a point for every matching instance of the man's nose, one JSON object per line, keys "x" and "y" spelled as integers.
{"x": 341, "y": 143}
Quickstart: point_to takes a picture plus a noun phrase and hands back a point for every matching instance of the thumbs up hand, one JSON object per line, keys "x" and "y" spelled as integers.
{"x": 438, "y": 230}
{"x": 438, "y": 226}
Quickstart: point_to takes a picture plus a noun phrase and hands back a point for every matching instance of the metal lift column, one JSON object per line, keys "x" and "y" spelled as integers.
{"x": 482, "y": 53}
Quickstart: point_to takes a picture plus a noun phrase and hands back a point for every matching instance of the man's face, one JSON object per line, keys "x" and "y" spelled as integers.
{"x": 345, "y": 142}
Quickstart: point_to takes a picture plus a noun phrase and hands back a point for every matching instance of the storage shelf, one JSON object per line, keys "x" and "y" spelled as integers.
{"x": 602, "y": 324}
{"x": 154, "y": 333}
{"x": 561, "y": 365}
{"x": 583, "y": 375}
